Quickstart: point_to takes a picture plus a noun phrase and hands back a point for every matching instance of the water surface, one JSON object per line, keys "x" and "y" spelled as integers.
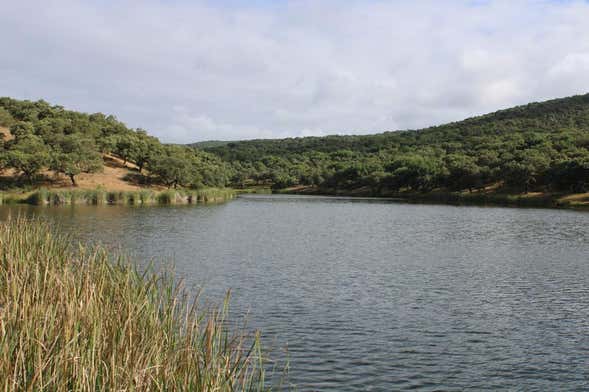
{"x": 376, "y": 295}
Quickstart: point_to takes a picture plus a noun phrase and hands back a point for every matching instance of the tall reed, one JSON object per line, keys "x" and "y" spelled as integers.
{"x": 100, "y": 196}
{"x": 80, "y": 319}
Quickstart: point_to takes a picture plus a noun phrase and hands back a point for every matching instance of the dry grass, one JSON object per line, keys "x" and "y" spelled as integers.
{"x": 83, "y": 320}
{"x": 577, "y": 199}
{"x": 111, "y": 178}
{"x": 114, "y": 177}
{"x": 5, "y": 134}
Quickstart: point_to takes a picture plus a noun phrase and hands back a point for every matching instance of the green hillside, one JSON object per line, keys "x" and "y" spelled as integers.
{"x": 209, "y": 144}
{"x": 535, "y": 149}
{"x": 46, "y": 145}
{"x": 539, "y": 147}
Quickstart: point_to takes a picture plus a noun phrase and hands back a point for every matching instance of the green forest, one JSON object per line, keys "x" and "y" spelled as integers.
{"x": 536, "y": 147}
{"x": 539, "y": 147}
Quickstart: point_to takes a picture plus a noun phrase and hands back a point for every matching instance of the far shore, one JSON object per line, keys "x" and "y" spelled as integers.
{"x": 151, "y": 196}
{"x": 491, "y": 198}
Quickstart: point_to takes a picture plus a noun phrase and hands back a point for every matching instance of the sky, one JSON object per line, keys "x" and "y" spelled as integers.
{"x": 228, "y": 69}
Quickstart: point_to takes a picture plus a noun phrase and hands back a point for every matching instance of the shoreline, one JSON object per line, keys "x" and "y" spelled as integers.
{"x": 144, "y": 197}
{"x": 100, "y": 196}
{"x": 572, "y": 201}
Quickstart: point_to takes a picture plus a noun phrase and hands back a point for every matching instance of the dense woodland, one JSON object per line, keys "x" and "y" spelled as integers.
{"x": 540, "y": 146}
{"x": 69, "y": 143}
{"x": 536, "y": 147}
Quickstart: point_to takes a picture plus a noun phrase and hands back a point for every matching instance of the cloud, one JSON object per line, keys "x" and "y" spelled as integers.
{"x": 195, "y": 70}
{"x": 183, "y": 124}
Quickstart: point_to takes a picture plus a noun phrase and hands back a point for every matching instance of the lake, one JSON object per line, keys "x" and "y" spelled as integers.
{"x": 377, "y": 295}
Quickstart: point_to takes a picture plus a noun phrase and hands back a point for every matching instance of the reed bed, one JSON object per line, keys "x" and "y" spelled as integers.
{"x": 101, "y": 197}
{"x": 80, "y": 319}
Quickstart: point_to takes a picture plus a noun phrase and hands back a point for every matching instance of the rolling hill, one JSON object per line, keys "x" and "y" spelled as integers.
{"x": 537, "y": 152}
{"x": 539, "y": 148}
{"x": 552, "y": 116}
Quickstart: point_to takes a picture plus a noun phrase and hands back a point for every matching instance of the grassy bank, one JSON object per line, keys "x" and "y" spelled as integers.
{"x": 100, "y": 196}
{"x": 75, "y": 319}
{"x": 537, "y": 199}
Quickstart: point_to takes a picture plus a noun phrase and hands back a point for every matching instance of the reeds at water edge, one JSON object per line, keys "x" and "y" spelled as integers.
{"x": 75, "y": 318}
{"x": 101, "y": 197}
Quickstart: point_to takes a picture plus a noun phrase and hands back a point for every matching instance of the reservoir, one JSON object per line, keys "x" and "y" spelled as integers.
{"x": 364, "y": 294}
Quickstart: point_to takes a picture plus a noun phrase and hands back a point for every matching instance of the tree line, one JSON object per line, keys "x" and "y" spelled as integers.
{"x": 535, "y": 147}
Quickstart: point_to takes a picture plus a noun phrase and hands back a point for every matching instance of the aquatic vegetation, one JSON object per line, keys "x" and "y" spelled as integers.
{"x": 100, "y": 196}
{"x": 78, "y": 318}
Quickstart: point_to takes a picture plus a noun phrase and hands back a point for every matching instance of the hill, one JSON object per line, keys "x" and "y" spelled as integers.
{"x": 113, "y": 175}
{"x": 539, "y": 148}
{"x": 550, "y": 116}
{"x": 536, "y": 153}
{"x": 209, "y": 144}
{"x": 43, "y": 145}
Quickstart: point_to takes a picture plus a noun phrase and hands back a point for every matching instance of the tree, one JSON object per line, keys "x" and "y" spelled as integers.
{"x": 417, "y": 172}
{"x": 174, "y": 167}
{"x": 375, "y": 181}
{"x": 21, "y": 129}
{"x": 572, "y": 174}
{"x": 76, "y": 154}
{"x": 123, "y": 147}
{"x": 108, "y": 144}
{"x": 28, "y": 155}
{"x": 51, "y": 129}
{"x": 6, "y": 119}
{"x": 143, "y": 148}
{"x": 281, "y": 180}
{"x": 463, "y": 172}
{"x": 528, "y": 170}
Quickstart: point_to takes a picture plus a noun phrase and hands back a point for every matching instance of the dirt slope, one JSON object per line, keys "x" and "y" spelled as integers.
{"x": 5, "y": 133}
{"x": 115, "y": 175}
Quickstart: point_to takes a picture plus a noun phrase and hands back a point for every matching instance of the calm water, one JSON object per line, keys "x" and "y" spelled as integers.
{"x": 380, "y": 296}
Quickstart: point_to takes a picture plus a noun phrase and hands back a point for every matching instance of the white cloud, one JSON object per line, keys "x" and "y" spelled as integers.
{"x": 183, "y": 124}
{"x": 573, "y": 64}
{"x": 199, "y": 70}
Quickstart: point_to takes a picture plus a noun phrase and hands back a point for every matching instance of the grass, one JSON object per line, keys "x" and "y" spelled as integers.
{"x": 101, "y": 196}
{"x": 81, "y": 319}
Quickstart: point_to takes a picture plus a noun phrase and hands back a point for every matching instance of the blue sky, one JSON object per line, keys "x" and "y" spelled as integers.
{"x": 232, "y": 69}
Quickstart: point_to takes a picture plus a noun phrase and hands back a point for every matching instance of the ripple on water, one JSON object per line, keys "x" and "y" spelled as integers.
{"x": 380, "y": 296}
